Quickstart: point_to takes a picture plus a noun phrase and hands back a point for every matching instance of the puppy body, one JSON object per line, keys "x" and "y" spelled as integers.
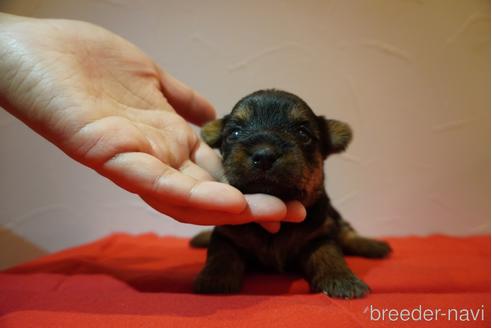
{"x": 273, "y": 143}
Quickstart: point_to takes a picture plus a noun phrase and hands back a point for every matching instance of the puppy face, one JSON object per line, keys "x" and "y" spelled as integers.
{"x": 273, "y": 143}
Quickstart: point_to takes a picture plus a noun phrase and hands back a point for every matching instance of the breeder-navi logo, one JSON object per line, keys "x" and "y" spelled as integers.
{"x": 425, "y": 314}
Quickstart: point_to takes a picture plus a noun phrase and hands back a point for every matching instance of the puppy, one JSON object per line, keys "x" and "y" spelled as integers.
{"x": 273, "y": 143}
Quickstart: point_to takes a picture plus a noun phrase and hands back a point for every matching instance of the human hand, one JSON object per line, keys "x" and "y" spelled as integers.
{"x": 108, "y": 106}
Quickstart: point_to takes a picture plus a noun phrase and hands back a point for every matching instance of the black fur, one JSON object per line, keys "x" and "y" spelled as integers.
{"x": 273, "y": 143}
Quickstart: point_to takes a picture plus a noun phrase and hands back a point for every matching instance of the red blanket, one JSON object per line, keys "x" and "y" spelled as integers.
{"x": 145, "y": 281}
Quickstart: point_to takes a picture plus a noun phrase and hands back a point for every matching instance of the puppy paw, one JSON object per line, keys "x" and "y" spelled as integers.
{"x": 376, "y": 249}
{"x": 366, "y": 247}
{"x": 345, "y": 286}
{"x": 205, "y": 284}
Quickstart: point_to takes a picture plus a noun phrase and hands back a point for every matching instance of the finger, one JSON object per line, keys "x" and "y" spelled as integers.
{"x": 146, "y": 175}
{"x": 187, "y": 102}
{"x": 271, "y": 227}
{"x": 208, "y": 159}
{"x": 296, "y": 212}
{"x": 260, "y": 208}
{"x": 191, "y": 169}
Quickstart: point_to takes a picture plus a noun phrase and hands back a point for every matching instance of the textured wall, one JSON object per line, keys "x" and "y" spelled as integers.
{"x": 411, "y": 77}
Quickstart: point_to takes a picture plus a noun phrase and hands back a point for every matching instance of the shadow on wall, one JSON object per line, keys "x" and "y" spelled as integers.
{"x": 16, "y": 249}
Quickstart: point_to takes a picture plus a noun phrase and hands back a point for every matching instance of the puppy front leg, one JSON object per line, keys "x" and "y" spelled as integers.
{"x": 224, "y": 269}
{"x": 326, "y": 271}
{"x": 354, "y": 244}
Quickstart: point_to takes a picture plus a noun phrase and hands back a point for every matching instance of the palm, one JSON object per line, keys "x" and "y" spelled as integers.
{"x": 107, "y": 105}
{"x": 105, "y": 81}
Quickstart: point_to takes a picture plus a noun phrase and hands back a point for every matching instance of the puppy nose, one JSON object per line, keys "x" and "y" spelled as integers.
{"x": 264, "y": 157}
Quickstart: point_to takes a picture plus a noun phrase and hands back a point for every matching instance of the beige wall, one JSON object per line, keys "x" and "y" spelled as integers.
{"x": 411, "y": 77}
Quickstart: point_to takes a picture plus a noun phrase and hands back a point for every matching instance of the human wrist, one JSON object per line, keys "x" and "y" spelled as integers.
{"x": 12, "y": 64}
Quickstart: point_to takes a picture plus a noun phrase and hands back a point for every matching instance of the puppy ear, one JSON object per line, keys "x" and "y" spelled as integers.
{"x": 336, "y": 134}
{"x": 212, "y": 133}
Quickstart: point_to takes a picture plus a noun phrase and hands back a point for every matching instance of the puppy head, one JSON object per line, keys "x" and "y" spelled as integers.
{"x": 273, "y": 143}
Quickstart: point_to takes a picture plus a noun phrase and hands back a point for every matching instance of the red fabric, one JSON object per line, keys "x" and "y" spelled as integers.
{"x": 145, "y": 281}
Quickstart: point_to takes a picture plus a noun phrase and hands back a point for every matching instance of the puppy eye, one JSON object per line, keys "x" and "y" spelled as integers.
{"x": 304, "y": 135}
{"x": 233, "y": 135}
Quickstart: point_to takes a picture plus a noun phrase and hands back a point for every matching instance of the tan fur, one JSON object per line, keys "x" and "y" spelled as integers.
{"x": 340, "y": 134}
{"x": 201, "y": 240}
{"x": 243, "y": 113}
{"x": 312, "y": 181}
{"x": 211, "y": 132}
{"x": 297, "y": 113}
